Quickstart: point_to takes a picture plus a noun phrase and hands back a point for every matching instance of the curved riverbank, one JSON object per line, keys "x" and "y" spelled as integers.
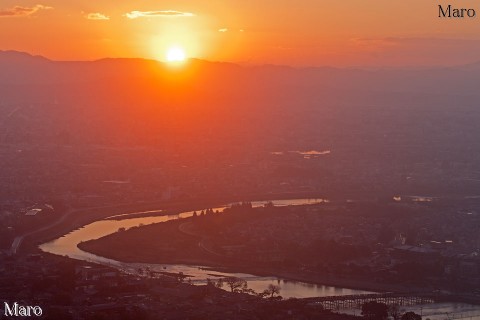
{"x": 74, "y": 218}
{"x": 67, "y": 246}
{"x": 174, "y": 249}
{"x": 218, "y": 268}
{"x": 169, "y": 244}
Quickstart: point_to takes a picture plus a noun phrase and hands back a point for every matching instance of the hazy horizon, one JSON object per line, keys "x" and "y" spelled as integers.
{"x": 251, "y": 64}
{"x": 346, "y": 33}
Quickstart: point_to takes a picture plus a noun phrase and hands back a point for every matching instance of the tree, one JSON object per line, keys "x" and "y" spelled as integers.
{"x": 394, "y": 312}
{"x": 181, "y": 277}
{"x": 235, "y": 284}
{"x": 272, "y": 290}
{"x": 411, "y": 316}
{"x": 373, "y": 310}
{"x": 219, "y": 283}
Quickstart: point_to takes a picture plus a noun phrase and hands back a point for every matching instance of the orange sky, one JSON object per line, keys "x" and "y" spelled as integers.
{"x": 309, "y": 32}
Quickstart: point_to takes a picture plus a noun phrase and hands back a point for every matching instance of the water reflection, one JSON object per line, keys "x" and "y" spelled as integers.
{"x": 132, "y": 215}
{"x": 67, "y": 246}
{"x": 295, "y": 289}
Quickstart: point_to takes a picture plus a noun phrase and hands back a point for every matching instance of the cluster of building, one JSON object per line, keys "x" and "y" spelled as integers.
{"x": 66, "y": 289}
{"x": 420, "y": 243}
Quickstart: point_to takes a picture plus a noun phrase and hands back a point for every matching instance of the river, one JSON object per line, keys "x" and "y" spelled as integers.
{"x": 67, "y": 246}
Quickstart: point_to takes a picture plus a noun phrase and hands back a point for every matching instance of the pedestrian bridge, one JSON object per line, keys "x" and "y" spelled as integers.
{"x": 390, "y": 298}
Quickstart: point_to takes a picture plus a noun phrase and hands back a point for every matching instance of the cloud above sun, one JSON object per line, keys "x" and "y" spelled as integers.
{"x": 97, "y": 16}
{"x": 19, "y": 11}
{"x": 160, "y": 13}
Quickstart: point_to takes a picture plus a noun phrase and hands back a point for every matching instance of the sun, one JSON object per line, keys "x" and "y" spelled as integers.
{"x": 176, "y": 54}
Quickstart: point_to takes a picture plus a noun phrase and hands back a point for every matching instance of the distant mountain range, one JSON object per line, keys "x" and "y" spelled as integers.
{"x": 23, "y": 68}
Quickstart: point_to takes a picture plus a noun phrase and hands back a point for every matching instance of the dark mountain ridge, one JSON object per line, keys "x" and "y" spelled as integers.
{"x": 22, "y": 68}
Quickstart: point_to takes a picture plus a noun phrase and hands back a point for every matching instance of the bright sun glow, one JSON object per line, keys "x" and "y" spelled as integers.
{"x": 176, "y": 54}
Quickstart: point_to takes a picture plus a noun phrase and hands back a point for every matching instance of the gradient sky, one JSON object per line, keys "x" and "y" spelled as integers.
{"x": 308, "y": 32}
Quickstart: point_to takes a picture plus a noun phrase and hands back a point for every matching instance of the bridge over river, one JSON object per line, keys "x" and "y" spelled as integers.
{"x": 390, "y": 298}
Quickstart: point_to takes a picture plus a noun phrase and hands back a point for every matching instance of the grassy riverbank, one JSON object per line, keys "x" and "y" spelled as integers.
{"x": 73, "y": 218}
{"x": 169, "y": 243}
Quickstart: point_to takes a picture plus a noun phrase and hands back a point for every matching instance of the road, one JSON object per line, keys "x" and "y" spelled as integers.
{"x": 202, "y": 244}
{"x": 17, "y": 242}
{"x": 109, "y": 210}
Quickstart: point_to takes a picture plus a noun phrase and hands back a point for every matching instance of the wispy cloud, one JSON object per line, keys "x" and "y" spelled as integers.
{"x": 19, "y": 11}
{"x": 230, "y": 30}
{"x": 160, "y": 13}
{"x": 96, "y": 16}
